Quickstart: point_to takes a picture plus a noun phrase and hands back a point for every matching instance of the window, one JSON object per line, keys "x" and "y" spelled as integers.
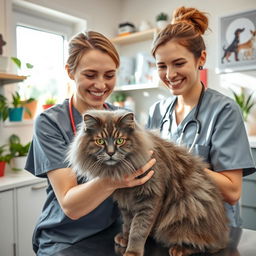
{"x": 45, "y": 51}
{"x": 41, "y": 37}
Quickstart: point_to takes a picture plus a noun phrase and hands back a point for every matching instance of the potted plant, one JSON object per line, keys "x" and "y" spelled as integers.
{"x": 4, "y": 158}
{"x": 245, "y": 103}
{"x": 49, "y": 102}
{"x": 18, "y": 152}
{"x": 3, "y": 108}
{"x": 161, "y": 20}
{"x": 30, "y": 103}
{"x": 118, "y": 99}
{"x": 16, "y": 112}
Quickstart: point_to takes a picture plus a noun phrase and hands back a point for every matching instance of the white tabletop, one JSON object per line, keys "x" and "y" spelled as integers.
{"x": 14, "y": 179}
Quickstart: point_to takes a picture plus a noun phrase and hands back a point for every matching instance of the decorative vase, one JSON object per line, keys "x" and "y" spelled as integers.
{"x": 2, "y": 168}
{"x": 18, "y": 163}
{"x": 161, "y": 24}
{"x": 46, "y": 106}
{"x": 32, "y": 107}
{"x": 15, "y": 114}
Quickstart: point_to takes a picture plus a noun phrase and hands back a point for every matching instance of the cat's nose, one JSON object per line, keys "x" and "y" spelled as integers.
{"x": 111, "y": 153}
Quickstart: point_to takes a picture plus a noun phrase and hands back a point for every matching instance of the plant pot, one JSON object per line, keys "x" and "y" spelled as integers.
{"x": 46, "y": 106}
{"x": 18, "y": 163}
{"x": 15, "y": 114}
{"x": 4, "y": 63}
{"x": 161, "y": 24}
{"x": 32, "y": 107}
{"x": 2, "y": 168}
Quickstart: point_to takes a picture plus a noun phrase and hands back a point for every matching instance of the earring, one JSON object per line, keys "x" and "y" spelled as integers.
{"x": 200, "y": 67}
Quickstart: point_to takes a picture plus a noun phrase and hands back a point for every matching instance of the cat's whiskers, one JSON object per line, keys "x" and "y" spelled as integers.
{"x": 129, "y": 165}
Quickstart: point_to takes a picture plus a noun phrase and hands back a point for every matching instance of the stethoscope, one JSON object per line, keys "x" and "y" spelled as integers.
{"x": 194, "y": 120}
{"x": 71, "y": 116}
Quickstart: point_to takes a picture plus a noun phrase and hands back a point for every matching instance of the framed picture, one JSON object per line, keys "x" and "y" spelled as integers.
{"x": 237, "y": 42}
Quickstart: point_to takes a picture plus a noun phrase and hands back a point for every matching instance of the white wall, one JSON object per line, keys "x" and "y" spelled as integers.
{"x": 136, "y": 11}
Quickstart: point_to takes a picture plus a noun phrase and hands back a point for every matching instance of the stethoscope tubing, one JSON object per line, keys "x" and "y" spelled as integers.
{"x": 71, "y": 116}
{"x": 194, "y": 120}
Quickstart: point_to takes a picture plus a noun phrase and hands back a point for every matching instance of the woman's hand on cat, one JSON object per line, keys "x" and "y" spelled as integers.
{"x": 135, "y": 179}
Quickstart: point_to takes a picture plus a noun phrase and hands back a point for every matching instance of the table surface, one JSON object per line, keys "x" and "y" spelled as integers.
{"x": 242, "y": 243}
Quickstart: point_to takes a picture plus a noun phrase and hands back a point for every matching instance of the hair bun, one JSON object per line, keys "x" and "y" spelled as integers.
{"x": 191, "y": 16}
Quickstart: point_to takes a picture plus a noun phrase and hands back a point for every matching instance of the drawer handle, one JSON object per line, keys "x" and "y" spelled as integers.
{"x": 39, "y": 187}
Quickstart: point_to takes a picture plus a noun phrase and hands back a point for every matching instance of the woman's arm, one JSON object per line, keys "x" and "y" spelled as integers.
{"x": 77, "y": 200}
{"x": 229, "y": 183}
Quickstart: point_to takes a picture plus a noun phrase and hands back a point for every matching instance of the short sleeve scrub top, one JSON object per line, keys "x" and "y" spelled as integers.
{"x": 223, "y": 141}
{"x": 54, "y": 231}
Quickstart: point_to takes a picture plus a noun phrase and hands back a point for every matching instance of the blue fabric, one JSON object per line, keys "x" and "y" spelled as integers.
{"x": 54, "y": 230}
{"x": 223, "y": 141}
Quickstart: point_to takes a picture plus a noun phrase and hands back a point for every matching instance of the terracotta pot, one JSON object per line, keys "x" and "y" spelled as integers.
{"x": 32, "y": 107}
{"x": 46, "y": 106}
{"x": 2, "y": 167}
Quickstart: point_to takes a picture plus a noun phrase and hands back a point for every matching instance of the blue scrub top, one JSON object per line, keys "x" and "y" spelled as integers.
{"x": 223, "y": 141}
{"x": 54, "y": 230}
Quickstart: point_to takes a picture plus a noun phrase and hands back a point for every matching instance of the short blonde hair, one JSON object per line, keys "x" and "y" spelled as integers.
{"x": 83, "y": 42}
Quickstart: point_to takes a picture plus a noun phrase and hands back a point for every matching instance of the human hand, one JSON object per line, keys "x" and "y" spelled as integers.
{"x": 137, "y": 178}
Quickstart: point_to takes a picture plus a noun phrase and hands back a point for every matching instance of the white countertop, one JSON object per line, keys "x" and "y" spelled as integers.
{"x": 15, "y": 179}
{"x": 252, "y": 141}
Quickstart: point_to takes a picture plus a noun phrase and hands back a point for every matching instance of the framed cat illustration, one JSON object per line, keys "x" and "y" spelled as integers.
{"x": 237, "y": 42}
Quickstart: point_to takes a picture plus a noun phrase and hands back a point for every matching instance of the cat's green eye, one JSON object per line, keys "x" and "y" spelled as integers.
{"x": 100, "y": 141}
{"x": 120, "y": 141}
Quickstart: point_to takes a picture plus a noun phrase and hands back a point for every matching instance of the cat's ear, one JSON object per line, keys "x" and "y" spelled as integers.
{"x": 127, "y": 121}
{"x": 91, "y": 123}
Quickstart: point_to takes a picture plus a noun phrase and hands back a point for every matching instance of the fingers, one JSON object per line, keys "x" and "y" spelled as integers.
{"x": 144, "y": 168}
{"x": 136, "y": 180}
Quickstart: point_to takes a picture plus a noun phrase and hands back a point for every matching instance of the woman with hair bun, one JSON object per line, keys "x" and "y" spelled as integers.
{"x": 205, "y": 121}
{"x": 76, "y": 208}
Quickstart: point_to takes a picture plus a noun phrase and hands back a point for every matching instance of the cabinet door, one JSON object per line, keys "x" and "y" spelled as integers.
{"x": 6, "y": 223}
{"x": 30, "y": 200}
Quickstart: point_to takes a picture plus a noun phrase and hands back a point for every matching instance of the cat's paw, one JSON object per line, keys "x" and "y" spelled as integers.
{"x": 119, "y": 250}
{"x": 121, "y": 240}
{"x": 182, "y": 251}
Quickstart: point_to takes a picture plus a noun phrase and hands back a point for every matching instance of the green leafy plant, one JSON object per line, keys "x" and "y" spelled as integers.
{"x": 245, "y": 103}
{"x": 17, "y": 102}
{"x": 50, "y": 101}
{"x": 4, "y": 157}
{"x": 118, "y": 97}
{"x": 161, "y": 16}
{"x": 19, "y": 64}
{"x": 3, "y": 108}
{"x": 16, "y": 148}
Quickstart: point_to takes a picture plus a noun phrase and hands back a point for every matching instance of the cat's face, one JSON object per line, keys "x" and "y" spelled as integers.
{"x": 108, "y": 144}
{"x": 110, "y": 139}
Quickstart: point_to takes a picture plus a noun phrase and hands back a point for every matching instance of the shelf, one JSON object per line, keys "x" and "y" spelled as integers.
{"x": 135, "y": 37}
{"x": 131, "y": 87}
{"x": 6, "y": 78}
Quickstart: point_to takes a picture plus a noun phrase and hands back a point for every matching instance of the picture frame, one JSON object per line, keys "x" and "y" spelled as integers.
{"x": 237, "y": 42}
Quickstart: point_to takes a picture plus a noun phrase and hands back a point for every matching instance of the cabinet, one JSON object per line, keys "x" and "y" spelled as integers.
{"x": 30, "y": 201}
{"x": 20, "y": 206}
{"x": 7, "y": 242}
{"x": 248, "y": 201}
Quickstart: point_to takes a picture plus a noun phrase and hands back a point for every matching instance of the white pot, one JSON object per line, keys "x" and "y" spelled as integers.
{"x": 18, "y": 163}
{"x": 161, "y": 24}
{"x": 4, "y": 63}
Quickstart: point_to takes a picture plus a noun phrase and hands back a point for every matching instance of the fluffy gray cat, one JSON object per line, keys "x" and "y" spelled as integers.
{"x": 179, "y": 206}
